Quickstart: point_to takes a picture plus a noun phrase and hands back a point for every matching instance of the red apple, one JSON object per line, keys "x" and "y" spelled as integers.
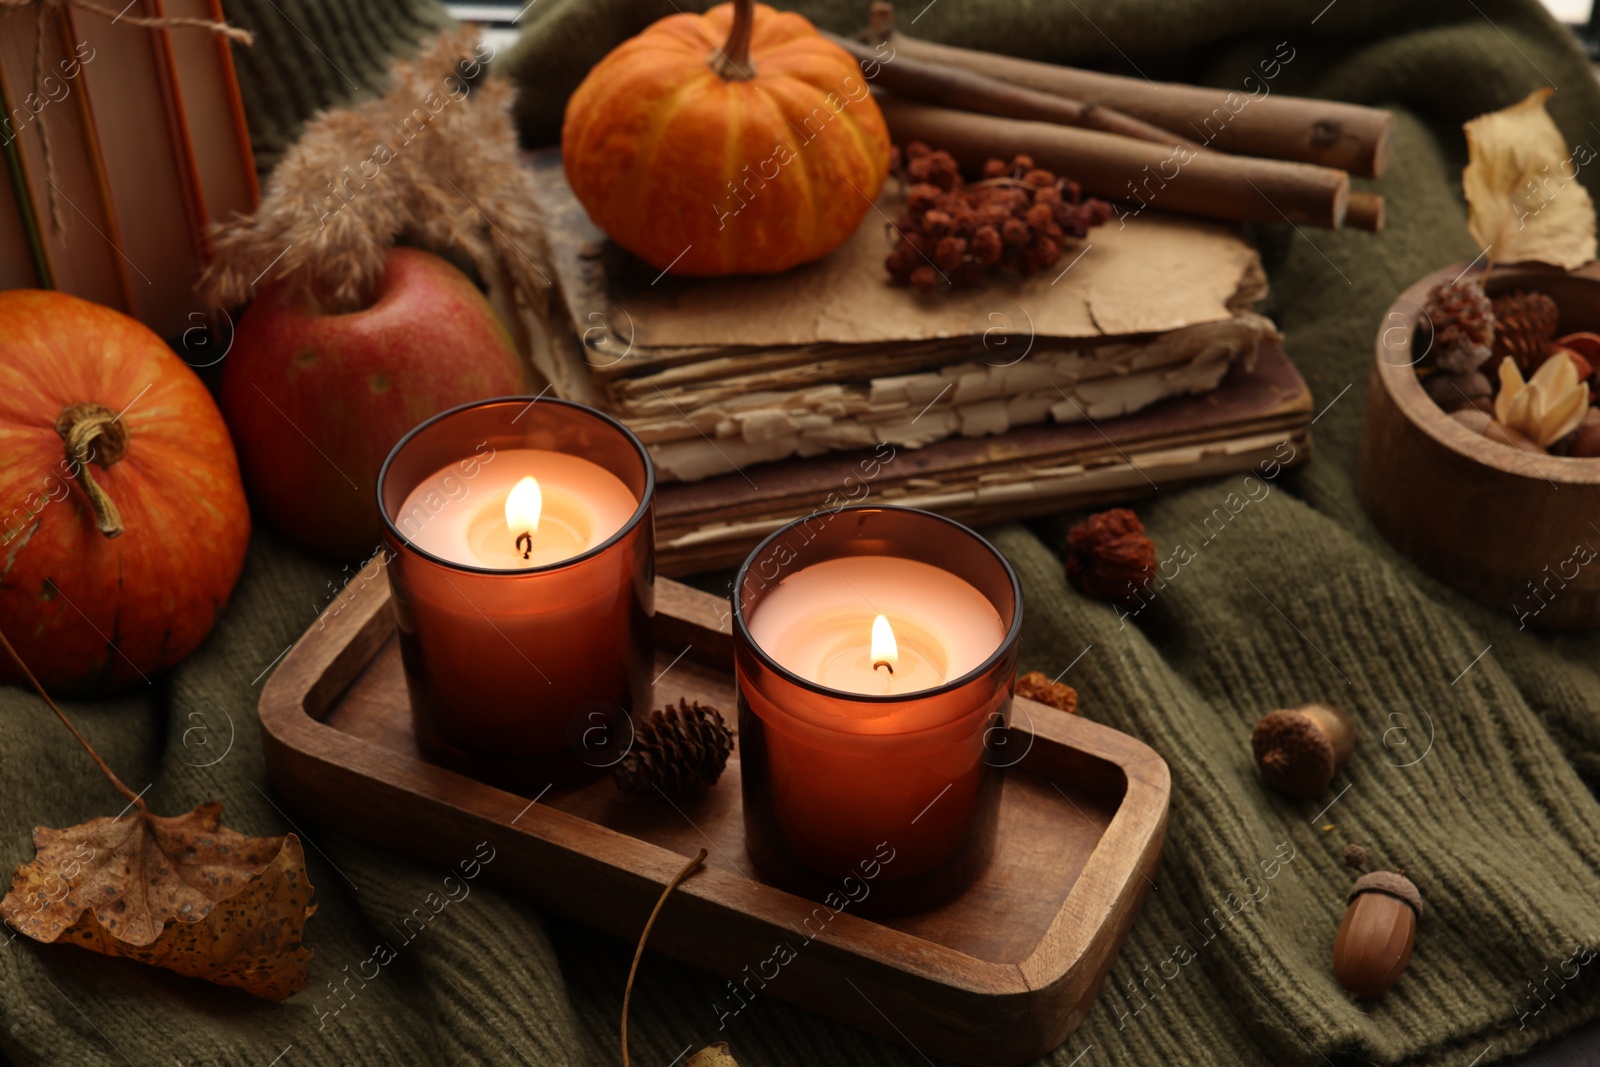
{"x": 316, "y": 401}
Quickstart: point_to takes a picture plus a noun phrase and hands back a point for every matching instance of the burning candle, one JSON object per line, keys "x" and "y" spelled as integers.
{"x": 531, "y": 508}
{"x": 875, "y": 650}
{"x": 520, "y": 539}
{"x": 876, "y": 625}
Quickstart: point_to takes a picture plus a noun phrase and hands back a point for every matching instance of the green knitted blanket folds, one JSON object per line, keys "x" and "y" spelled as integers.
{"x": 1480, "y": 742}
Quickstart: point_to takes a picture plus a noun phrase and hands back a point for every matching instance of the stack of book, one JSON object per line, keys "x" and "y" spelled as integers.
{"x": 1136, "y": 364}
{"x": 123, "y": 145}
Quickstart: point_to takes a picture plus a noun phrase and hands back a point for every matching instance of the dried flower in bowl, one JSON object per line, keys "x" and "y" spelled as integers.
{"x": 1548, "y": 406}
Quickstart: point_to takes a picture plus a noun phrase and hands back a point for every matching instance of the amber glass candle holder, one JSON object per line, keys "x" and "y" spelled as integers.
{"x": 880, "y": 803}
{"x": 520, "y": 677}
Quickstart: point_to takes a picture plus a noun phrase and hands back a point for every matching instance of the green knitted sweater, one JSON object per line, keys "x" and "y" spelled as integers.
{"x": 1480, "y": 743}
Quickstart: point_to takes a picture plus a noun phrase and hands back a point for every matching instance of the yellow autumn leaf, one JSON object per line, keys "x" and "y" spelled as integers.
{"x": 1524, "y": 200}
{"x": 183, "y": 892}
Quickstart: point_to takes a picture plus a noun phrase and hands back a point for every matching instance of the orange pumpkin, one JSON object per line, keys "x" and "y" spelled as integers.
{"x": 745, "y": 159}
{"x": 123, "y": 523}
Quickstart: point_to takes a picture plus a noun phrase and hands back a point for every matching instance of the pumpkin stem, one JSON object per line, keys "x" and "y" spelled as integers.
{"x": 732, "y": 60}
{"x": 81, "y": 426}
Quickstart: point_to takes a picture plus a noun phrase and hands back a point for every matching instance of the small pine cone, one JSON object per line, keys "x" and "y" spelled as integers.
{"x": 936, "y": 223}
{"x": 964, "y": 223}
{"x": 679, "y": 751}
{"x": 1035, "y": 686}
{"x": 1048, "y": 195}
{"x": 916, "y": 150}
{"x": 1109, "y": 556}
{"x": 925, "y": 279}
{"x": 1524, "y": 325}
{"x": 1463, "y": 325}
{"x": 1015, "y": 233}
{"x": 1022, "y": 164}
{"x": 996, "y": 168}
{"x": 1039, "y": 178}
{"x": 986, "y": 245}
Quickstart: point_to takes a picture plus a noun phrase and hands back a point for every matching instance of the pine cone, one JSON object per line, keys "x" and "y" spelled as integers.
{"x": 1524, "y": 325}
{"x": 1109, "y": 557}
{"x": 679, "y": 751}
{"x": 1462, "y": 320}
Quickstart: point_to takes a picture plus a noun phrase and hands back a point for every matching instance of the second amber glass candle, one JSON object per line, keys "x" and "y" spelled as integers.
{"x": 875, "y": 653}
{"x": 520, "y": 542}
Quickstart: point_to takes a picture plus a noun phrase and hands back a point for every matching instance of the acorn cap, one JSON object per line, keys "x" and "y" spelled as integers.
{"x": 1293, "y": 753}
{"x": 1393, "y": 883}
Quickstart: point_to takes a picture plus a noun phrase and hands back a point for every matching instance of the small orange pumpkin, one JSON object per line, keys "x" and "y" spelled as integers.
{"x": 745, "y": 159}
{"x": 123, "y": 523}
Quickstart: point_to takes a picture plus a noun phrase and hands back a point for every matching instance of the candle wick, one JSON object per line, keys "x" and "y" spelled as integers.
{"x": 525, "y": 536}
{"x": 882, "y": 663}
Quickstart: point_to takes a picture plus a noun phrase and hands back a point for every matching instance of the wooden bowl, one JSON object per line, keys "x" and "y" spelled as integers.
{"x": 1511, "y": 530}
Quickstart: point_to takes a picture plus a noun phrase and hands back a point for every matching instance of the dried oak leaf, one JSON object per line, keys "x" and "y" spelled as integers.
{"x": 185, "y": 893}
{"x": 713, "y": 1056}
{"x": 1109, "y": 556}
{"x": 1524, "y": 201}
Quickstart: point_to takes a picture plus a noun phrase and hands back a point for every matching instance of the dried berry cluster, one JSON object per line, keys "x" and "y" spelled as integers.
{"x": 1036, "y": 686}
{"x": 1019, "y": 216}
{"x": 1109, "y": 556}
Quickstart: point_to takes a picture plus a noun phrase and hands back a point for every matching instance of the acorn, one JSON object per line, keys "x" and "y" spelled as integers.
{"x": 1299, "y": 750}
{"x": 1379, "y": 930}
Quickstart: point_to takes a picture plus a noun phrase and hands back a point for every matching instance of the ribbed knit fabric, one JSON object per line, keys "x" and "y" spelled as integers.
{"x": 1297, "y": 598}
{"x": 313, "y": 54}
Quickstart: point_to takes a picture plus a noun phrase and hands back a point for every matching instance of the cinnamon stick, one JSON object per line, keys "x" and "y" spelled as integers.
{"x": 1251, "y": 121}
{"x": 1365, "y": 212}
{"x": 1140, "y": 174}
{"x": 968, "y": 91}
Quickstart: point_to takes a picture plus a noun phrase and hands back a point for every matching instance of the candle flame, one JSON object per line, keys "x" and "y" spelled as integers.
{"x": 523, "y": 507}
{"x": 885, "y": 651}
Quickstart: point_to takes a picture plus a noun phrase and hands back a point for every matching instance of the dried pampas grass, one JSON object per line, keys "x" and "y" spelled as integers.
{"x": 432, "y": 163}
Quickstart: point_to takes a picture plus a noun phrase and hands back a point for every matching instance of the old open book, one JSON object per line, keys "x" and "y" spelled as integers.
{"x": 739, "y": 384}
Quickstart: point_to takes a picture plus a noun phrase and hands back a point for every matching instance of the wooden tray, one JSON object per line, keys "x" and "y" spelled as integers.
{"x": 1000, "y": 976}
